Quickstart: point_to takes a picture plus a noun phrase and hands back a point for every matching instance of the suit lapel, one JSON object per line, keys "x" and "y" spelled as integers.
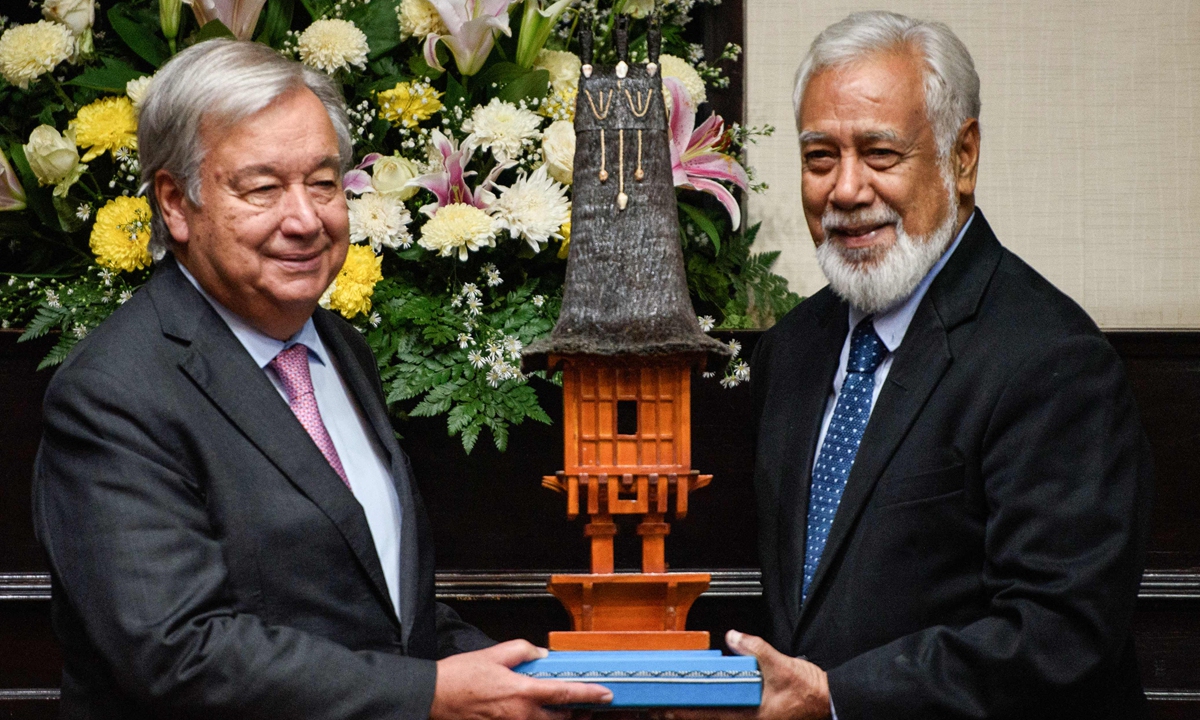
{"x": 366, "y": 393}
{"x": 223, "y": 370}
{"x": 818, "y": 363}
{"x": 919, "y": 364}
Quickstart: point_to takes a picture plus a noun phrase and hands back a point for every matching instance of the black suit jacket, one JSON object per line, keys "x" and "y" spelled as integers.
{"x": 985, "y": 558}
{"x": 206, "y": 559}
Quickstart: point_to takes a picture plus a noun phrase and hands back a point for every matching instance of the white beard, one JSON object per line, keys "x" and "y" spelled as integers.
{"x": 874, "y": 280}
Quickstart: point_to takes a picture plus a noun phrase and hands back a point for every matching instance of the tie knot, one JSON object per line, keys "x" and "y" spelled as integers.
{"x": 866, "y": 349}
{"x": 291, "y": 365}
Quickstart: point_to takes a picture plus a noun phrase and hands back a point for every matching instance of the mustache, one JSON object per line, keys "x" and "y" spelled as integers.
{"x": 843, "y": 221}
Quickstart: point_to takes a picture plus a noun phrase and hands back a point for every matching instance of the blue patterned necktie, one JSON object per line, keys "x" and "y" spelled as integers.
{"x": 837, "y": 453}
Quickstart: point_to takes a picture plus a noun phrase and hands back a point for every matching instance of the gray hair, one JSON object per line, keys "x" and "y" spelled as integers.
{"x": 951, "y": 83}
{"x": 227, "y": 81}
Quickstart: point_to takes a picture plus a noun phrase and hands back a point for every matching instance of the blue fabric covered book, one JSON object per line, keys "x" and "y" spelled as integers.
{"x": 658, "y": 678}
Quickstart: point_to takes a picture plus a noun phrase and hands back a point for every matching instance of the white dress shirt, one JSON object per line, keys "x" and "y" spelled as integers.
{"x": 363, "y": 459}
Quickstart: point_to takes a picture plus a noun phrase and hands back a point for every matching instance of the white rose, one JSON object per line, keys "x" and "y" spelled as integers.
{"x": 639, "y": 8}
{"x": 558, "y": 148}
{"x": 391, "y": 172}
{"x": 75, "y": 14}
{"x": 53, "y": 157}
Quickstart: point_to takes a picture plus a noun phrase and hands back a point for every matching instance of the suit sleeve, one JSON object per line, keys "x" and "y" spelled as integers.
{"x": 1066, "y": 474}
{"x": 140, "y": 561}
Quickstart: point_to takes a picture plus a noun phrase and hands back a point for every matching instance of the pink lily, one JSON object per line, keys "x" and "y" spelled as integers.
{"x": 472, "y": 25}
{"x": 450, "y": 184}
{"x": 695, "y": 160}
{"x": 358, "y": 180}
{"x": 240, "y": 16}
{"x": 12, "y": 195}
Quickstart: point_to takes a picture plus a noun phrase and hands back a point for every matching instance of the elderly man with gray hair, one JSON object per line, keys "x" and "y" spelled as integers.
{"x": 232, "y": 529}
{"x": 952, "y": 479}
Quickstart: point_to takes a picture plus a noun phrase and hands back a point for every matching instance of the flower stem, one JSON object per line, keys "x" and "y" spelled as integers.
{"x": 62, "y": 95}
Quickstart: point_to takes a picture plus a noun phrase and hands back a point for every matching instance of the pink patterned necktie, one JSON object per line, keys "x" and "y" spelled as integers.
{"x": 291, "y": 365}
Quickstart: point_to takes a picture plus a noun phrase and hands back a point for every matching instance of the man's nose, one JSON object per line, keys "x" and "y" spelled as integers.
{"x": 852, "y": 188}
{"x": 300, "y": 216}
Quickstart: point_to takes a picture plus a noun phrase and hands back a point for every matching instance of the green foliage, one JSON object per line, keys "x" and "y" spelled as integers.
{"x": 456, "y": 351}
{"x": 138, "y": 27}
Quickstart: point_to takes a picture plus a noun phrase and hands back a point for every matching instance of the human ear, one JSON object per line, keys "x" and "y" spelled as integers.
{"x": 171, "y": 200}
{"x": 966, "y": 158}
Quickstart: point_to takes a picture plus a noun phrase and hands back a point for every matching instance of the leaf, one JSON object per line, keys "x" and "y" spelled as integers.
{"x": 377, "y": 20}
{"x": 456, "y": 94}
{"x": 470, "y": 434}
{"x": 502, "y": 73}
{"x": 704, "y": 223}
{"x": 139, "y": 30}
{"x": 317, "y": 8}
{"x": 212, "y": 30}
{"x": 59, "y": 352}
{"x": 110, "y": 78}
{"x": 46, "y": 319}
{"x": 534, "y": 84}
{"x": 277, "y": 22}
{"x": 422, "y": 69}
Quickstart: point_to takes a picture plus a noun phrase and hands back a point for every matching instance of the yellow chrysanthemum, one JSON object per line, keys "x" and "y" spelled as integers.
{"x": 560, "y": 105}
{"x": 458, "y": 229}
{"x": 109, "y": 124}
{"x": 565, "y": 248}
{"x": 350, "y": 293}
{"x": 121, "y": 236}
{"x": 333, "y": 44}
{"x": 30, "y": 51}
{"x": 409, "y": 103}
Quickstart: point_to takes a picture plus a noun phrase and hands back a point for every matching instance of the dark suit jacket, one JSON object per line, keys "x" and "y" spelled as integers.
{"x": 206, "y": 559}
{"x": 985, "y": 558}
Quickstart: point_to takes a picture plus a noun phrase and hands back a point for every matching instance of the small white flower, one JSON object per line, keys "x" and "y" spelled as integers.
{"x": 332, "y": 45}
{"x": 464, "y": 340}
{"x": 380, "y": 218}
{"x": 707, "y": 374}
{"x": 12, "y": 281}
{"x": 502, "y": 128}
{"x": 471, "y": 290}
{"x": 707, "y": 323}
{"x": 512, "y": 345}
{"x": 83, "y": 212}
{"x": 539, "y": 300}
{"x": 52, "y": 298}
{"x": 375, "y": 319}
{"x": 476, "y": 359}
{"x": 495, "y": 376}
{"x": 492, "y": 274}
{"x": 534, "y": 208}
{"x": 736, "y": 347}
{"x": 79, "y": 331}
{"x": 124, "y": 296}
{"x": 741, "y": 370}
{"x": 473, "y": 305}
{"x": 730, "y": 381}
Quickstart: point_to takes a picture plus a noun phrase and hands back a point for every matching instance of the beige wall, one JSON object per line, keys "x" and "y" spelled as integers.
{"x": 1090, "y": 167}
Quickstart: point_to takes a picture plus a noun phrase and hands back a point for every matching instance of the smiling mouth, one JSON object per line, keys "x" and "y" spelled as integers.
{"x": 856, "y": 237}
{"x": 299, "y": 262}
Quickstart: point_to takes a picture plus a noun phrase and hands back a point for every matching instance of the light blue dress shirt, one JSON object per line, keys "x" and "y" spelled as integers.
{"x": 891, "y": 326}
{"x": 363, "y": 459}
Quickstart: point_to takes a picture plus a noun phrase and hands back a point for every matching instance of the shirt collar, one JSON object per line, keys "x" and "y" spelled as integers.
{"x": 262, "y": 347}
{"x": 891, "y": 325}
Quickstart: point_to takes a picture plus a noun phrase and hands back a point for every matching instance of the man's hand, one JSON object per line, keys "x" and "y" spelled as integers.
{"x": 793, "y": 689}
{"x": 481, "y": 685}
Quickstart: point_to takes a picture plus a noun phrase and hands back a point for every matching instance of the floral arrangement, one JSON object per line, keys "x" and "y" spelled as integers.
{"x": 460, "y": 203}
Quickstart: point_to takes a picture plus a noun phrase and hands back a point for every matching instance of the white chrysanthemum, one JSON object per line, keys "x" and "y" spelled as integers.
{"x": 534, "y": 208}
{"x": 419, "y": 18}
{"x": 502, "y": 128}
{"x": 135, "y": 90}
{"x": 686, "y": 74}
{"x": 562, "y": 66}
{"x": 332, "y": 45}
{"x": 380, "y": 218}
{"x": 30, "y": 51}
{"x": 458, "y": 229}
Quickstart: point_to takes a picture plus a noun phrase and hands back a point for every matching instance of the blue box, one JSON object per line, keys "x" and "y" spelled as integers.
{"x": 658, "y": 678}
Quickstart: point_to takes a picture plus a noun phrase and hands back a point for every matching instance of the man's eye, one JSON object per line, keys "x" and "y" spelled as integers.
{"x": 882, "y": 157}
{"x": 819, "y": 160}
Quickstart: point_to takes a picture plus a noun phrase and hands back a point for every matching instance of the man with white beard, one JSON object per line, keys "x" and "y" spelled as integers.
{"x": 952, "y": 479}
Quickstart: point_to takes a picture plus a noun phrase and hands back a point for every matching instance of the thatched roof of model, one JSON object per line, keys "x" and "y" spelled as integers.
{"x": 626, "y": 293}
